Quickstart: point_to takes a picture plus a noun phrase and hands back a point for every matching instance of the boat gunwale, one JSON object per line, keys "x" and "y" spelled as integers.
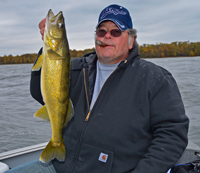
{"x": 21, "y": 151}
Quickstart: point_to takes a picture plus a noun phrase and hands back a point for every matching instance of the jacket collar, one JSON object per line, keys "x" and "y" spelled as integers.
{"x": 89, "y": 59}
{"x": 133, "y": 55}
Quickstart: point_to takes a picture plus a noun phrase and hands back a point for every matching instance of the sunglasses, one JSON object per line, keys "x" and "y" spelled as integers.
{"x": 113, "y": 32}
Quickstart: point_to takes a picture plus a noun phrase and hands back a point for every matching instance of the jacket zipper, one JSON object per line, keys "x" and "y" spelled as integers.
{"x": 86, "y": 93}
{"x": 89, "y": 112}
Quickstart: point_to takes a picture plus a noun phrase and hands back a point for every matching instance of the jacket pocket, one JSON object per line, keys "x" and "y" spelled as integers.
{"x": 94, "y": 159}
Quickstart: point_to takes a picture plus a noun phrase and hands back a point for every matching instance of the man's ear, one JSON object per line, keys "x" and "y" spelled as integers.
{"x": 130, "y": 46}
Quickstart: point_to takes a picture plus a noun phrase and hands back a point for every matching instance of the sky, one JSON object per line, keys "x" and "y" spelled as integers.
{"x": 156, "y": 21}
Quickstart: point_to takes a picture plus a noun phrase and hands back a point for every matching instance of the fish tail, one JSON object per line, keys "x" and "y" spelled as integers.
{"x": 53, "y": 150}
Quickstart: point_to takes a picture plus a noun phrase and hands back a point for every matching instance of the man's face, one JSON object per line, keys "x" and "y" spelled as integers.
{"x": 117, "y": 48}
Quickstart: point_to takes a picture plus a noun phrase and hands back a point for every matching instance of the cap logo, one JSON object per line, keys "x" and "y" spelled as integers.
{"x": 103, "y": 157}
{"x": 122, "y": 26}
{"x": 111, "y": 10}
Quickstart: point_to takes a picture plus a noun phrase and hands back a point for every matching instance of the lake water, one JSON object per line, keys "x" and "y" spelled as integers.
{"x": 18, "y": 127}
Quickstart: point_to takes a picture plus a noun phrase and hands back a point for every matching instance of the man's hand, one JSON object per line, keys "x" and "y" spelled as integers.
{"x": 42, "y": 27}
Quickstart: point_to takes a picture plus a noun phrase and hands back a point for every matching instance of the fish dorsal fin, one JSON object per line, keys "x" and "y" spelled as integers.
{"x": 42, "y": 113}
{"x": 70, "y": 112}
{"x": 38, "y": 64}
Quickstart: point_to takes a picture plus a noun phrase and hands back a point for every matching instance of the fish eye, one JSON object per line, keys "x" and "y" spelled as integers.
{"x": 60, "y": 25}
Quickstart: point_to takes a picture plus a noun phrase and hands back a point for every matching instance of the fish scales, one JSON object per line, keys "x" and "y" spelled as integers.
{"x": 55, "y": 74}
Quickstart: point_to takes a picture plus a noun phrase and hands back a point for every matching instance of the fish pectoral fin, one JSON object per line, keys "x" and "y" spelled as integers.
{"x": 42, "y": 113}
{"x": 38, "y": 64}
{"x": 55, "y": 55}
{"x": 53, "y": 151}
{"x": 70, "y": 113}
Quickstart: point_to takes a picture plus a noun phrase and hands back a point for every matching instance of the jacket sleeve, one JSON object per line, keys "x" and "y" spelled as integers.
{"x": 169, "y": 126}
{"x": 35, "y": 83}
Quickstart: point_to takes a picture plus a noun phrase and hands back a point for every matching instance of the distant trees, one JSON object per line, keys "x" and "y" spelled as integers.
{"x": 79, "y": 53}
{"x": 174, "y": 49}
{"x": 30, "y": 58}
{"x": 25, "y": 58}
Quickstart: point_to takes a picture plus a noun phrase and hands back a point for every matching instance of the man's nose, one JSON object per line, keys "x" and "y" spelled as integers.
{"x": 108, "y": 35}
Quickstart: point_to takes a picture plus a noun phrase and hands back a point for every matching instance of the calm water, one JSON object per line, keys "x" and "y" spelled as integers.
{"x": 18, "y": 127}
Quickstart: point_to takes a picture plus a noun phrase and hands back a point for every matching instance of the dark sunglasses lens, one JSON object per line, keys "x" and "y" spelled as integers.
{"x": 101, "y": 33}
{"x": 115, "y": 32}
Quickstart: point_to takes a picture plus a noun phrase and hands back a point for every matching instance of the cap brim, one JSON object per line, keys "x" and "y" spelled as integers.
{"x": 119, "y": 24}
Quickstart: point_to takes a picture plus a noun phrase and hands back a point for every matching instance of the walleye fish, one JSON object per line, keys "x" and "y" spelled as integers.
{"x": 55, "y": 74}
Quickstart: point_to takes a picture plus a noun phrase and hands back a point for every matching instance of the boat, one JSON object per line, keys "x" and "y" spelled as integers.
{"x": 14, "y": 158}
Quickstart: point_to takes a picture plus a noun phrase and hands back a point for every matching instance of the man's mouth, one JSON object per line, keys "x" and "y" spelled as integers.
{"x": 101, "y": 43}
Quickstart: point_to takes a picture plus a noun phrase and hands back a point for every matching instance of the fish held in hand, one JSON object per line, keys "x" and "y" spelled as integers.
{"x": 55, "y": 75}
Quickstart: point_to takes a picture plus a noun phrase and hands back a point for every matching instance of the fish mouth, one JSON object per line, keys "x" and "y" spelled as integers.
{"x": 53, "y": 17}
{"x": 55, "y": 25}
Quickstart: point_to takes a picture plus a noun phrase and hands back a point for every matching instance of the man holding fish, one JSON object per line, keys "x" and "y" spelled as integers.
{"x": 123, "y": 114}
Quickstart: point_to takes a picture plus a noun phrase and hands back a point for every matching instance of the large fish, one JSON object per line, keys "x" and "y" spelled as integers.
{"x": 55, "y": 74}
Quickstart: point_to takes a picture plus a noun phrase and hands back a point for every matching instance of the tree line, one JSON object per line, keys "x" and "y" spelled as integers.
{"x": 30, "y": 58}
{"x": 174, "y": 49}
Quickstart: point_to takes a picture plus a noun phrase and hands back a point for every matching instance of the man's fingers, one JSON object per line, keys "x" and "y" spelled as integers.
{"x": 42, "y": 27}
{"x": 42, "y": 31}
{"x": 42, "y": 23}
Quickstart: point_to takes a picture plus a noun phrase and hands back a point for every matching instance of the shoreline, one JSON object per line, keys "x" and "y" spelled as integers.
{"x": 140, "y": 57}
{"x": 171, "y": 57}
{"x": 17, "y": 63}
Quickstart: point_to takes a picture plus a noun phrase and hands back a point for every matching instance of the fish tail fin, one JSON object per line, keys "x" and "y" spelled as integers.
{"x": 53, "y": 151}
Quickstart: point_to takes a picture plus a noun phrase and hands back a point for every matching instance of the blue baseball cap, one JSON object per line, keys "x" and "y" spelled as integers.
{"x": 117, "y": 14}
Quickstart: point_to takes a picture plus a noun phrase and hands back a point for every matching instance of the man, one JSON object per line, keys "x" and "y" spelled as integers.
{"x": 129, "y": 116}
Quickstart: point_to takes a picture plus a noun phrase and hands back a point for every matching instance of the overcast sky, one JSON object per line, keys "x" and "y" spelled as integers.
{"x": 157, "y": 21}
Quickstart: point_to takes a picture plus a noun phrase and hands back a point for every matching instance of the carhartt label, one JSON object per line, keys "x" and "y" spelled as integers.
{"x": 103, "y": 157}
